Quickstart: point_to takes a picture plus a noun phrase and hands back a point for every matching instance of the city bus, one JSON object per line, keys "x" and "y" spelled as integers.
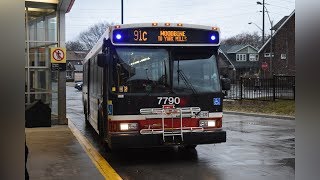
{"x": 155, "y": 84}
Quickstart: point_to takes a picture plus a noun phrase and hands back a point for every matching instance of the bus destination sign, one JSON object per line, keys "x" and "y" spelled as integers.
{"x": 172, "y": 36}
{"x": 164, "y": 36}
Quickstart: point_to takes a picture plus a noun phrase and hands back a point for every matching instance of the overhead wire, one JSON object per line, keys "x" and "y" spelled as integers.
{"x": 284, "y": 1}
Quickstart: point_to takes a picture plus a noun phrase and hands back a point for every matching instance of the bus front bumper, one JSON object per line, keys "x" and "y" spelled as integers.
{"x": 156, "y": 140}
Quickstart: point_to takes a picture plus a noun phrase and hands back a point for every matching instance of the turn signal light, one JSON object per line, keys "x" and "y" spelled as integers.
{"x": 215, "y": 28}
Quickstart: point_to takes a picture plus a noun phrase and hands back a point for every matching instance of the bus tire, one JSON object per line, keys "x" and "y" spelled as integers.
{"x": 106, "y": 147}
{"x": 86, "y": 120}
{"x": 100, "y": 125}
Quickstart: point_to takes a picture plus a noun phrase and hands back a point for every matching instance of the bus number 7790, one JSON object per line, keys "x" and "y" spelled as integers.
{"x": 168, "y": 100}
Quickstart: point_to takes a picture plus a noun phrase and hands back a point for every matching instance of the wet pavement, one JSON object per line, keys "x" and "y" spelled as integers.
{"x": 256, "y": 148}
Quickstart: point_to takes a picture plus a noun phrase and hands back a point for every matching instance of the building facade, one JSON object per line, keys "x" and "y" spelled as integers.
{"x": 244, "y": 59}
{"x": 74, "y": 67}
{"x": 281, "y": 61}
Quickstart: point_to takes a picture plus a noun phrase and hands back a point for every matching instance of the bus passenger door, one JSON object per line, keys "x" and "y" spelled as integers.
{"x": 105, "y": 64}
{"x": 92, "y": 94}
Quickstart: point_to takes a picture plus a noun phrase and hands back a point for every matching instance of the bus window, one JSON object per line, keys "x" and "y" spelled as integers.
{"x": 143, "y": 69}
{"x": 199, "y": 70}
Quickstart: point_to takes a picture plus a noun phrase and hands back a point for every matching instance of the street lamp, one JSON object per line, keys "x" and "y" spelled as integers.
{"x": 255, "y": 25}
{"x": 271, "y": 23}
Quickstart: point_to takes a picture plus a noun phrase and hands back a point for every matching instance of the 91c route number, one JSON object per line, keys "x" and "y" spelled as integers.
{"x": 168, "y": 100}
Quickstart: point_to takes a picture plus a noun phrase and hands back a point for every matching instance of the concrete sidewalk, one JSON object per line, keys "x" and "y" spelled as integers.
{"x": 55, "y": 153}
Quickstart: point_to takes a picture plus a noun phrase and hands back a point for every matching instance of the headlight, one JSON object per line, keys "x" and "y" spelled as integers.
{"x": 128, "y": 126}
{"x": 207, "y": 123}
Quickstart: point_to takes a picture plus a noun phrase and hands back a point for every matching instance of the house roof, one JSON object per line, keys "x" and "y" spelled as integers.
{"x": 240, "y": 48}
{"x": 224, "y": 48}
{"x": 227, "y": 58}
{"x": 235, "y": 48}
{"x": 275, "y": 27}
{"x": 277, "y": 30}
{"x": 76, "y": 55}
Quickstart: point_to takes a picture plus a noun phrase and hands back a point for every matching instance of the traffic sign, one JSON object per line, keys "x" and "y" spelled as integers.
{"x": 58, "y": 55}
{"x": 264, "y": 66}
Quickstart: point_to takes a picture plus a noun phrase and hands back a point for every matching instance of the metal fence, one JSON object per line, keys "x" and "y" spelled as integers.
{"x": 279, "y": 87}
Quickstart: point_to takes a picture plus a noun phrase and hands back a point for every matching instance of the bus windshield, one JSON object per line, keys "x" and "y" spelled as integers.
{"x": 147, "y": 70}
{"x": 195, "y": 71}
{"x": 143, "y": 70}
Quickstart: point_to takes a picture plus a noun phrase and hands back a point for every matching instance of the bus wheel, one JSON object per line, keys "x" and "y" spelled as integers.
{"x": 105, "y": 145}
{"x": 100, "y": 125}
{"x": 86, "y": 120}
{"x": 107, "y": 148}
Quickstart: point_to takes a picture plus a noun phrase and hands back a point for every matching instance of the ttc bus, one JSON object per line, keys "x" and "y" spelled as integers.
{"x": 155, "y": 84}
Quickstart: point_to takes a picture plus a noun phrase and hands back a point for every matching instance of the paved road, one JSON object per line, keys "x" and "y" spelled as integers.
{"x": 256, "y": 148}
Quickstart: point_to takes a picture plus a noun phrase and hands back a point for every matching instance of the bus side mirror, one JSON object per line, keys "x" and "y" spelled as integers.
{"x": 226, "y": 83}
{"x": 103, "y": 60}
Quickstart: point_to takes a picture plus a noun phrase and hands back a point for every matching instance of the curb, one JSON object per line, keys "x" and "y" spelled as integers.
{"x": 260, "y": 115}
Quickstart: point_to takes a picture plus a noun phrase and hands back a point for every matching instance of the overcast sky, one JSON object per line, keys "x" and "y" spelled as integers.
{"x": 232, "y": 16}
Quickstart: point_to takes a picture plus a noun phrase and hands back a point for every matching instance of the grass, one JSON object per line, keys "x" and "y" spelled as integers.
{"x": 278, "y": 107}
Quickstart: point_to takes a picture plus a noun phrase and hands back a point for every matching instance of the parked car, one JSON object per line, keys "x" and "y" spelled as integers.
{"x": 78, "y": 85}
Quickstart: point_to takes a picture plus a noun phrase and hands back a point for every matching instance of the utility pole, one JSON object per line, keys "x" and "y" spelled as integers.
{"x": 271, "y": 50}
{"x": 263, "y": 22}
{"x": 122, "y": 11}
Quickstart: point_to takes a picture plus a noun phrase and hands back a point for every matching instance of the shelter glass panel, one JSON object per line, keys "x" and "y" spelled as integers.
{"x": 41, "y": 35}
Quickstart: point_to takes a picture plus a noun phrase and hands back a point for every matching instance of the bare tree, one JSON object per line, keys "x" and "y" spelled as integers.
{"x": 75, "y": 46}
{"x": 254, "y": 39}
{"x": 89, "y": 37}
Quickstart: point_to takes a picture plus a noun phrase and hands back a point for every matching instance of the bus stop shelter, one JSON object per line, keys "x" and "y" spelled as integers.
{"x": 45, "y": 29}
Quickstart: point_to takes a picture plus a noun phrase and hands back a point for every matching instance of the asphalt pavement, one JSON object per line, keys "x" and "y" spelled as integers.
{"x": 257, "y": 147}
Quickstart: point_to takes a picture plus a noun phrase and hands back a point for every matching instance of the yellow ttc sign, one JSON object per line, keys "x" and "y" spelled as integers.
{"x": 58, "y": 55}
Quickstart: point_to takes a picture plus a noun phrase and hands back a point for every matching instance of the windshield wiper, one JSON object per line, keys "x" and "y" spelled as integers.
{"x": 186, "y": 81}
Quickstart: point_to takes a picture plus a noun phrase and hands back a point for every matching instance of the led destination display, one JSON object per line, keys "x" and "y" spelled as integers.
{"x": 157, "y": 35}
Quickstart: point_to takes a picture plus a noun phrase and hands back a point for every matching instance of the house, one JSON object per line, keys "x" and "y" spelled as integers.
{"x": 282, "y": 61}
{"x": 243, "y": 58}
{"x": 74, "y": 65}
{"x": 226, "y": 67}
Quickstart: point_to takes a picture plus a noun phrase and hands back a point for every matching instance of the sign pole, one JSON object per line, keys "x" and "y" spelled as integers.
{"x": 58, "y": 63}
{"x": 62, "y": 112}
